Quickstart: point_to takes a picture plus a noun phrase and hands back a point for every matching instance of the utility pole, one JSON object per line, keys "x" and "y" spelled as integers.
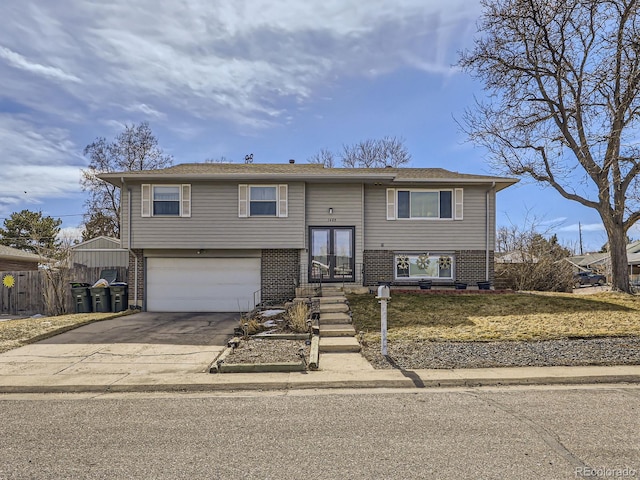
{"x": 580, "y": 233}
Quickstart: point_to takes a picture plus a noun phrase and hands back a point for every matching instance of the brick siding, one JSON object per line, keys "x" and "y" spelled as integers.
{"x": 378, "y": 266}
{"x": 471, "y": 266}
{"x": 279, "y": 274}
{"x": 132, "y": 279}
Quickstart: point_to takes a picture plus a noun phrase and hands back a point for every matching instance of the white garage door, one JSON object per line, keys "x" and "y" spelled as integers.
{"x": 202, "y": 284}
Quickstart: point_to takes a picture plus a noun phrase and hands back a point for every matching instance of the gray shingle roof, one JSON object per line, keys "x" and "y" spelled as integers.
{"x": 305, "y": 172}
{"x": 15, "y": 254}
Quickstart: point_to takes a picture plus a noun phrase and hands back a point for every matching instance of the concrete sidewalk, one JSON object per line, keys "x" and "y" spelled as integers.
{"x": 194, "y": 382}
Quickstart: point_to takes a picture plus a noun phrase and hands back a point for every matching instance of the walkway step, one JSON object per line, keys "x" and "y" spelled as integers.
{"x": 338, "y": 344}
{"x": 333, "y": 307}
{"x": 334, "y": 318}
{"x": 344, "y": 362}
{"x": 336, "y": 299}
{"x": 340, "y": 330}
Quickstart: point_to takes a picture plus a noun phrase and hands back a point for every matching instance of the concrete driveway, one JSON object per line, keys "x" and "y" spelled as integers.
{"x": 144, "y": 343}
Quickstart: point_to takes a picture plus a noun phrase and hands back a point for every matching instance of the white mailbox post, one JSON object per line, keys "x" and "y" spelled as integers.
{"x": 383, "y": 297}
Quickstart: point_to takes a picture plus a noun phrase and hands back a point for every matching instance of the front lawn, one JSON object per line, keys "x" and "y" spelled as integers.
{"x": 517, "y": 316}
{"x": 16, "y": 333}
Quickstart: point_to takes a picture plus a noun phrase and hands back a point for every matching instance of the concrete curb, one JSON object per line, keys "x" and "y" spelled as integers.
{"x": 390, "y": 379}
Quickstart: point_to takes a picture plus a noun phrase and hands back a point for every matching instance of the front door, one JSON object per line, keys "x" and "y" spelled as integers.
{"x": 331, "y": 254}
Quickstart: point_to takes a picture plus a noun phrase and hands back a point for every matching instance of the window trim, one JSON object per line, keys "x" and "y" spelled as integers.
{"x": 147, "y": 199}
{"x": 433, "y": 190}
{"x": 431, "y": 255}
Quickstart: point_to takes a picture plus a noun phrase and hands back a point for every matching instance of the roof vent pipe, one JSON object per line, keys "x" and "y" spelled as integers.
{"x": 292, "y": 161}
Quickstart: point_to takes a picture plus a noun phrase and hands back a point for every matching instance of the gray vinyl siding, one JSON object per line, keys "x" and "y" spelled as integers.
{"x": 105, "y": 258}
{"x": 214, "y": 222}
{"x": 346, "y": 201}
{"x": 100, "y": 252}
{"x": 431, "y": 235}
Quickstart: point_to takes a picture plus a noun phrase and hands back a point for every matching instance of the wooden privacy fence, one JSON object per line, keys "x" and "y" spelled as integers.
{"x": 46, "y": 292}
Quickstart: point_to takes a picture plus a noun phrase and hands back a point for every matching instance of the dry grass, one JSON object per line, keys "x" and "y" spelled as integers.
{"x": 298, "y": 314}
{"x": 16, "y": 333}
{"x": 520, "y": 316}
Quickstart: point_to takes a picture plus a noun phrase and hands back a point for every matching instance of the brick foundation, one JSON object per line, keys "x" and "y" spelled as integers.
{"x": 378, "y": 266}
{"x": 279, "y": 272}
{"x": 471, "y": 266}
{"x": 132, "y": 278}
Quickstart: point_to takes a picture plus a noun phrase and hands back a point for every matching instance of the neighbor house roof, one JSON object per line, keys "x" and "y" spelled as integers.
{"x": 101, "y": 239}
{"x": 304, "y": 172}
{"x": 21, "y": 255}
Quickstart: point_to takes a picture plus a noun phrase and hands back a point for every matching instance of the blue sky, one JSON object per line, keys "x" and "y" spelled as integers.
{"x": 279, "y": 79}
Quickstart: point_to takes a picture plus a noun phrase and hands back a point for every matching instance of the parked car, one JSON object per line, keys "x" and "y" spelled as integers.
{"x": 588, "y": 278}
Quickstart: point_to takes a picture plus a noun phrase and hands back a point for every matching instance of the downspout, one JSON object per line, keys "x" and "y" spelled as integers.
{"x": 135, "y": 262}
{"x": 486, "y": 275}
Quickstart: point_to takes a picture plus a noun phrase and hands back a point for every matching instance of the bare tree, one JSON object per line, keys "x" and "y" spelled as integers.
{"x": 376, "y": 153}
{"x": 323, "y": 157}
{"x": 563, "y": 107}
{"x": 220, "y": 159}
{"x": 371, "y": 153}
{"x": 136, "y": 148}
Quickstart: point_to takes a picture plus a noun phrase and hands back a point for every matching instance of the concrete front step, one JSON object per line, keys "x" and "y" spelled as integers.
{"x": 344, "y": 362}
{"x": 333, "y": 307}
{"x": 337, "y": 318}
{"x": 338, "y": 344}
{"x": 340, "y": 330}
{"x": 335, "y": 299}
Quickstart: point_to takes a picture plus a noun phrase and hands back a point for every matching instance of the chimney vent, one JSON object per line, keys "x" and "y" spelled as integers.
{"x": 292, "y": 161}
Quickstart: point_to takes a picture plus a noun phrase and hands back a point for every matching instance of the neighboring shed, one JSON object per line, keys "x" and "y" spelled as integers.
{"x": 14, "y": 260}
{"x": 100, "y": 252}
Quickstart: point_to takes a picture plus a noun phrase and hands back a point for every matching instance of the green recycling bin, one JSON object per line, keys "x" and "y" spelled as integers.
{"x": 119, "y": 297}
{"x": 81, "y": 298}
{"x": 100, "y": 299}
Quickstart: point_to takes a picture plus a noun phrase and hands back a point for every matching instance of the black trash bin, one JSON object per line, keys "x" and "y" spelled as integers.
{"x": 119, "y": 297}
{"x": 100, "y": 299}
{"x": 81, "y": 297}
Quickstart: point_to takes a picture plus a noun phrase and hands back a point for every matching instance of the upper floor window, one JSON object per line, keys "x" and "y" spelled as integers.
{"x": 166, "y": 200}
{"x": 424, "y": 204}
{"x": 262, "y": 200}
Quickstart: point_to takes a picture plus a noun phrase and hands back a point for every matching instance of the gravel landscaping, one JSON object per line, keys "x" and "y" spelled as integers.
{"x": 412, "y": 355}
{"x": 256, "y": 350}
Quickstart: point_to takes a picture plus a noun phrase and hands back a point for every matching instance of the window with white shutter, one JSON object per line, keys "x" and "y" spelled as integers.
{"x": 391, "y": 203}
{"x": 242, "y": 201}
{"x": 459, "y": 206}
{"x": 146, "y": 200}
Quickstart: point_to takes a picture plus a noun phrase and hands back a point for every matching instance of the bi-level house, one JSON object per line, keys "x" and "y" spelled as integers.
{"x": 224, "y": 237}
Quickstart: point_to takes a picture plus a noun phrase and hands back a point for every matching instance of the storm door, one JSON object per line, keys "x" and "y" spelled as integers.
{"x": 331, "y": 256}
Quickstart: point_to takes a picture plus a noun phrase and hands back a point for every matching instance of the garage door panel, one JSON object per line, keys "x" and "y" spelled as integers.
{"x": 202, "y": 284}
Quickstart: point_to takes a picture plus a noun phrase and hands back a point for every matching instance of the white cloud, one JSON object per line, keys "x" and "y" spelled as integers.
{"x": 16, "y": 60}
{"x": 586, "y": 227}
{"x": 70, "y": 234}
{"x": 239, "y": 61}
{"x": 37, "y": 163}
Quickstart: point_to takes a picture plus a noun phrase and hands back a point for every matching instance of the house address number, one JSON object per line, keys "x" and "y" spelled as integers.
{"x": 331, "y": 219}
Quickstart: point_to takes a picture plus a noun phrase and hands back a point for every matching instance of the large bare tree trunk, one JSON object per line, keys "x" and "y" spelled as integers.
{"x": 618, "y": 253}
